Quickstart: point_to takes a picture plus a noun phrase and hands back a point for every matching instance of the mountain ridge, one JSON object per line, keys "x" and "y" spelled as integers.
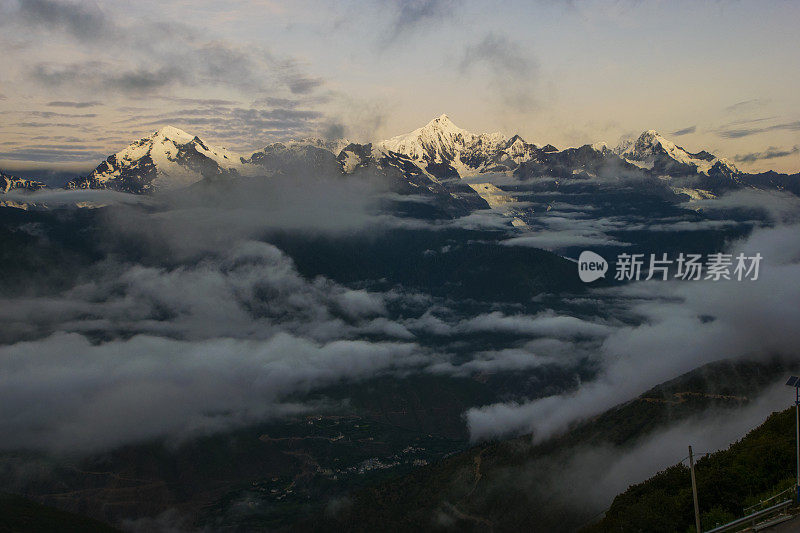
{"x": 653, "y": 151}
{"x": 436, "y": 158}
{"x": 9, "y": 183}
{"x": 509, "y": 484}
{"x": 168, "y": 159}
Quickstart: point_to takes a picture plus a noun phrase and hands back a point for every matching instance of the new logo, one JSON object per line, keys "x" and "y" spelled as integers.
{"x": 591, "y": 266}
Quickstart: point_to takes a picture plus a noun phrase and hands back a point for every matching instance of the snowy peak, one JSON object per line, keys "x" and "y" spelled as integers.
{"x": 168, "y": 159}
{"x": 9, "y": 183}
{"x": 649, "y": 144}
{"x": 439, "y": 153}
{"x": 443, "y": 124}
{"x": 170, "y": 140}
{"x": 437, "y": 141}
{"x": 651, "y": 138}
{"x": 331, "y": 145}
{"x": 441, "y": 143}
{"x": 171, "y": 133}
{"x": 654, "y": 152}
{"x": 445, "y": 128}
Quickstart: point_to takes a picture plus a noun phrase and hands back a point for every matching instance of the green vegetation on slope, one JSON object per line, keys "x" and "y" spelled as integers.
{"x": 516, "y": 485}
{"x": 728, "y": 481}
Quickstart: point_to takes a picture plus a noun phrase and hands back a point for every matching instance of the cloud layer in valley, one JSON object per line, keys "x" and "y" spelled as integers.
{"x": 187, "y": 286}
{"x": 685, "y": 325}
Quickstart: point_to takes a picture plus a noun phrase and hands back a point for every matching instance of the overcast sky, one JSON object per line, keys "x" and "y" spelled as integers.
{"x": 80, "y": 80}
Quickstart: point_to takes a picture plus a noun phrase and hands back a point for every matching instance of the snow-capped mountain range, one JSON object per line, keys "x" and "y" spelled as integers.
{"x": 9, "y": 183}
{"x": 171, "y": 158}
{"x": 653, "y": 152}
{"x": 432, "y": 160}
{"x": 440, "y": 142}
{"x": 168, "y": 159}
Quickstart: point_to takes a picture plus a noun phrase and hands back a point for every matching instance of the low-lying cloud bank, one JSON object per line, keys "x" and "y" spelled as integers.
{"x": 74, "y": 198}
{"x": 251, "y": 291}
{"x": 686, "y": 325}
{"x": 155, "y": 352}
{"x": 65, "y": 393}
{"x": 612, "y": 472}
{"x": 212, "y": 328}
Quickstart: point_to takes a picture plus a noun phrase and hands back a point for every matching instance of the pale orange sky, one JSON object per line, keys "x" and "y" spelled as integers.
{"x": 82, "y": 80}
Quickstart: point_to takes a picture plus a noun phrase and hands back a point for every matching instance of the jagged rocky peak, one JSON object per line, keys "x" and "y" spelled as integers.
{"x": 167, "y": 142}
{"x": 9, "y": 183}
{"x": 518, "y": 149}
{"x": 169, "y": 158}
{"x": 171, "y": 133}
{"x": 436, "y": 155}
{"x": 332, "y": 145}
{"x": 179, "y": 138}
{"x": 440, "y": 140}
{"x": 650, "y": 138}
{"x": 652, "y": 151}
{"x": 355, "y": 156}
{"x": 601, "y": 146}
{"x": 648, "y": 143}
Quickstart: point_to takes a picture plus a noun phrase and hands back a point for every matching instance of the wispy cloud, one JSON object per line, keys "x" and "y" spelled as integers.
{"x": 413, "y": 14}
{"x": 54, "y": 153}
{"x": 82, "y": 21}
{"x": 747, "y": 105}
{"x": 79, "y": 105}
{"x": 53, "y": 114}
{"x": 157, "y": 55}
{"x": 246, "y": 126}
{"x": 499, "y": 52}
{"x": 684, "y": 131}
{"x": 770, "y": 153}
{"x": 214, "y": 64}
{"x": 745, "y": 132}
{"x": 507, "y": 64}
{"x": 213, "y": 102}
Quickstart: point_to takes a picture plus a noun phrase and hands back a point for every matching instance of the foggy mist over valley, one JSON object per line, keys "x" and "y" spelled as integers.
{"x": 255, "y": 280}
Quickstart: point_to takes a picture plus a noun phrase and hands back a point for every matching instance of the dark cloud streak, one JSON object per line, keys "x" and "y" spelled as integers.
{"x": 511, "y": 70}
{"x": 166, "y": 54}
{"x": 684, "y": 131}
{"x": 747, "y": 105}
{"x": 53, "y": 154}
{"x": 82, "y": 21}
{"x": 78, "y": 105}
{"x": 745, "y": 132}
{"x": 770, "y": 153}
{"x": 413, "y": 14}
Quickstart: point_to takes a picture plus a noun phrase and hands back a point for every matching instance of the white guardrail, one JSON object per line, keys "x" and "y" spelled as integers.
{"x": 752, "y": 518}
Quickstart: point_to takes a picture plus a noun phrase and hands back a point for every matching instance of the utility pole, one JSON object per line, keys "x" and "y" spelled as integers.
{"x": 794, "y": 381}
{"x": 797, "y": 426}
{"x": 694, "y": 492}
